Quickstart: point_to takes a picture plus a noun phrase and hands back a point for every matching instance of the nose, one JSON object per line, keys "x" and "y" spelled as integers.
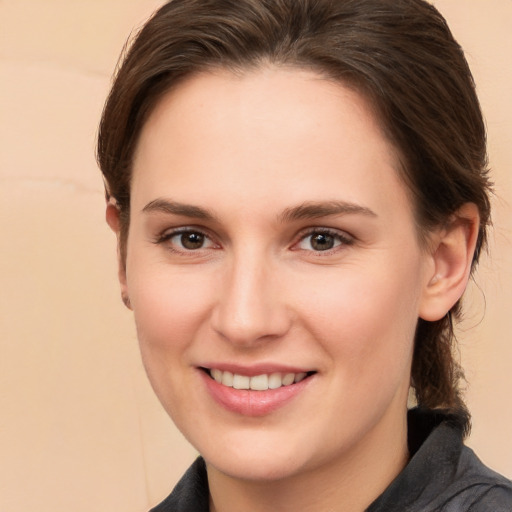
{"x": 251, "y": 306}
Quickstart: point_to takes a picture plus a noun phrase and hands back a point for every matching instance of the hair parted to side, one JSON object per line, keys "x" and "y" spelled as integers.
{"x": 400, "y": 54}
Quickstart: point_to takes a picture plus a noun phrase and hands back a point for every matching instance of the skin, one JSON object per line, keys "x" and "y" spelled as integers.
{"x": 248, "y": 153}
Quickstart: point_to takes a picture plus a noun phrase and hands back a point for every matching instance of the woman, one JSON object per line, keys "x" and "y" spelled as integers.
{"x": 300, "y": 194}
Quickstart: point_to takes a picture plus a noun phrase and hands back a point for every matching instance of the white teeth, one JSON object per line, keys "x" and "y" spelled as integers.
{"x": 274, "y": 381}
{"x": 217, "y": 375}
{"x": 288, "y": 379}
{"x": 299, "y": 377}
{"x": 241, "y": 381}
{"x": 261, "y": 382}
{"x": 227, "y": 379}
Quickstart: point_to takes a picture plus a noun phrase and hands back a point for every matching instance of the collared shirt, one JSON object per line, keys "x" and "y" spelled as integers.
{"x": 442, "y": 475}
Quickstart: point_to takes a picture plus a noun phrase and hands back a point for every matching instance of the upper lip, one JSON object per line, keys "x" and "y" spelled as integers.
{"x": 256, "y": 369}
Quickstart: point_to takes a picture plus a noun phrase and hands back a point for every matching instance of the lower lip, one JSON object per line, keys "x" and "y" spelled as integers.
{"x": 253, "y": 403}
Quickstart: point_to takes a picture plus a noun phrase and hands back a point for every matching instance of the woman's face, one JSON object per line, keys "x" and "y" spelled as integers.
{"x": 271, "y": 241}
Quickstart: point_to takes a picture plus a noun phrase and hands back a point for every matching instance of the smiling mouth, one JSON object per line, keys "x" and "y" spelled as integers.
{"x": 262, "y": 382}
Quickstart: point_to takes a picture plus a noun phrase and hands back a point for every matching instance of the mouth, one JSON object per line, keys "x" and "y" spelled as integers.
{"x": 262, "y": 382}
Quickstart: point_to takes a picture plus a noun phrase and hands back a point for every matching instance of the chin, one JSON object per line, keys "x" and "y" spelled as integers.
{"x": 256, "y": 469}
{"x": 258, "y": 457}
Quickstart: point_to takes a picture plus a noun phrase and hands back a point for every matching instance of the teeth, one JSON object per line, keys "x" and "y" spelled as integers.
{"x": 227, "y": 378}
{"x": 288, "y": 379}
{"x": 241, "y": 381}
{"x": 258, "y": 382}
{"x": 299, "y": 377}
{"x": 217, "y": 375}
{"x": 275, "y": 381}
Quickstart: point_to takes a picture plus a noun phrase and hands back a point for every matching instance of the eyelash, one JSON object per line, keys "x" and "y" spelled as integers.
{"x": 167, "y": 236}
{"x": 340, "y": 239}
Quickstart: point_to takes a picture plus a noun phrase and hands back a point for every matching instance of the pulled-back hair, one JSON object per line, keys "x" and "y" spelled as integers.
{"x": 399, "y": 54}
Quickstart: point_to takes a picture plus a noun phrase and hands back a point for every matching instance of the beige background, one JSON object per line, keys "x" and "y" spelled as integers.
{"x": 80, "y": 429}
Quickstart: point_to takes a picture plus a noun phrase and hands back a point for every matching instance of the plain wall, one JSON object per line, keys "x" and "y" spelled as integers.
{"x": 80, "y": 428}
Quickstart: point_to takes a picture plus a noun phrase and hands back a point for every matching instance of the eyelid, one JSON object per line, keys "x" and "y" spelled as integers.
{"x": 344, "y": 238}
{"x": 166, "y": 235}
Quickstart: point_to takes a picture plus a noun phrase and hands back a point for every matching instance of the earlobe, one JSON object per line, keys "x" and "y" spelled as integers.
{"x": 453, "y": 247}
{"x": 112, "y": 216}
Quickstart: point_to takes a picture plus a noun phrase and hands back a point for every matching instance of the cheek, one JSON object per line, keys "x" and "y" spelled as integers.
{"x": 368, "y": 335}
{"x": 365, "y": 318}
{"x": 169, "y": 309}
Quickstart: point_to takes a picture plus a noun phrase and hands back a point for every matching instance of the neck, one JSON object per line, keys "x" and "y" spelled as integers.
{"x": 349, "y": 483}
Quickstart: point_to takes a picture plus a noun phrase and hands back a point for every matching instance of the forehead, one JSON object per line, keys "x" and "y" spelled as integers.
{"x": 265, "y": 128}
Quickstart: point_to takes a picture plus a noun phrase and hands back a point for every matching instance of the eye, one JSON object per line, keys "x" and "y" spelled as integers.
{"x": 190, "y": 240}
{"x": 185, "y": 240}
{"x": 323, "y": 240}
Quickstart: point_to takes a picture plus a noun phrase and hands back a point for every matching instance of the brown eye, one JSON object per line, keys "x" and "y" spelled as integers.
{"x": 185, "y": 241}
{"x": 322, "y": 241}
{"x": 192, "y": 240}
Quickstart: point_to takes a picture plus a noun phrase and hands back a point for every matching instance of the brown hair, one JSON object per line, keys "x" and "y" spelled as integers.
{"x": 399, "y": 53}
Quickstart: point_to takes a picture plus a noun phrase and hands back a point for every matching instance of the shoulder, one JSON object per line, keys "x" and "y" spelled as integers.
{"x": 493, "y": 498}
{"x": 443, "y": 475}
{"x": 190, "y": 494}
{"x": 482, "y": 498}
{"x": 478, "y": 488}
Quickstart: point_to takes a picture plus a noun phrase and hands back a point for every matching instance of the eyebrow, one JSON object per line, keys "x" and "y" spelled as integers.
{"x": 307, "y": 210}
{"x": 175, "y": 208}
{"x": 315, "y": 210}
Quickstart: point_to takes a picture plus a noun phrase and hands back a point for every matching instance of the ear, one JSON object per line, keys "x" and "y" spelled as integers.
{"x": 452, "y": 249}
{"x": 112, "y": 216}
